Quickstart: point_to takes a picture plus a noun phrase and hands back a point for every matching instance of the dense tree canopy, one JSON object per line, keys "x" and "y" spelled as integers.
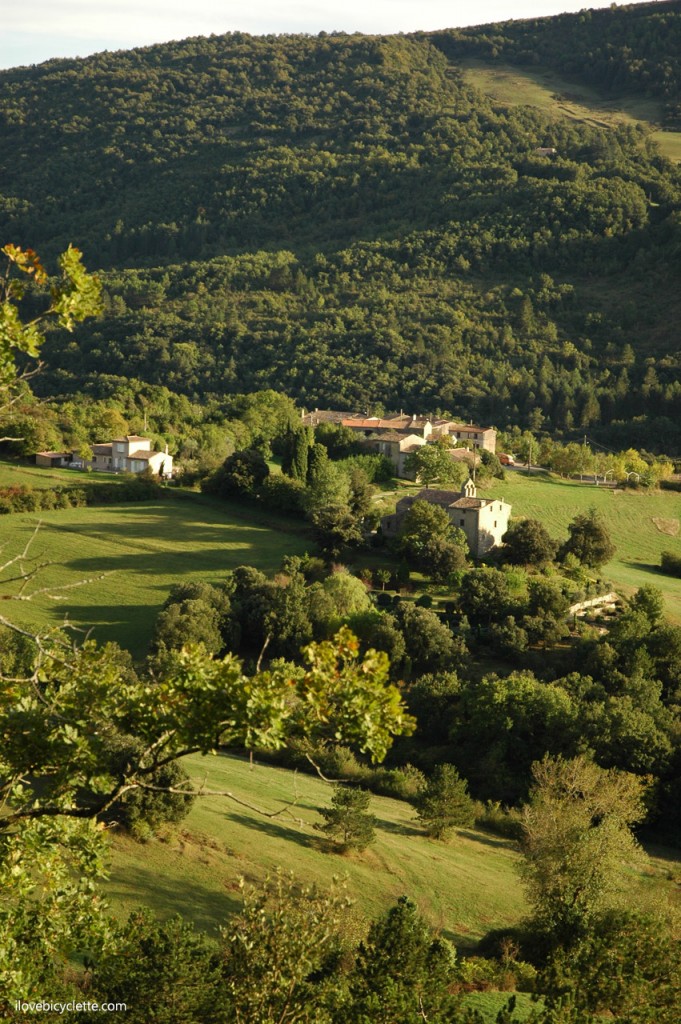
{"x": 433, "y": 259}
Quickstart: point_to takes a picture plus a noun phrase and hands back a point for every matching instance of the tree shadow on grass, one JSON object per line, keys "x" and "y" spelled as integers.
{"x": 293, "y": 833}
{"x": 654, "y": 570}
{"x": 206, "y": 908}
{"x": 129, "y": 625}
{"x": 460, "y": 940}
{"x": 398, "y": 828}
{"x": 488, "y": 840}
{"x": 155, "y": 562}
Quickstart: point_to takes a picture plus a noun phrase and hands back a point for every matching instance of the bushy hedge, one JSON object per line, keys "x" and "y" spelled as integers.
{"x": 43, "y": 499}
{"x": 378, "y": 468}
{"x": 670, "y": 563}
{"x": 26, "y": 499}
{"x": 337, "y": 762}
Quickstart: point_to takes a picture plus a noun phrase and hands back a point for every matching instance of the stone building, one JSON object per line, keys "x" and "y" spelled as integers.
{"x": 483, "y": 520}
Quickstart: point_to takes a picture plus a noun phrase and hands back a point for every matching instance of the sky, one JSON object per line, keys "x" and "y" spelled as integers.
{"x": 36, "y": 31}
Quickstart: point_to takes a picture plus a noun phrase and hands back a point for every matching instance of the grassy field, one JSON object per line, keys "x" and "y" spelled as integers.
{"x": 637, "y": 522}
{"x": 635, "y": 519}
{"x": 509, "y": 85}
{"x": 488, "y": 1004}
{"x": 463, "y": 888}
{"x": 133, "y": 554}
{"x": 19, "y": 474}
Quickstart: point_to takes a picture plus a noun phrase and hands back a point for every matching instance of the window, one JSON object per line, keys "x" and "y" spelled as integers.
{"x": 495, "y": 524}
{"x": 462, "y": 522}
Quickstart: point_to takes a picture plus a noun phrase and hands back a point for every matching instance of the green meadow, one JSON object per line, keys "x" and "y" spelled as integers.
{"x": 110, "y": 568}
{"x": 19, "y": 474}
{"x": 642, "y": 525}
{"x": 463, "y": 887}
{"x": 511, "y": 85}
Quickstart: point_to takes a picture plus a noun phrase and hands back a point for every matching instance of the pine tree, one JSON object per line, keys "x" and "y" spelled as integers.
{"x": 346, "y": 821}
{"x": 402, "y": 973}
{"x": 444, "y": 804}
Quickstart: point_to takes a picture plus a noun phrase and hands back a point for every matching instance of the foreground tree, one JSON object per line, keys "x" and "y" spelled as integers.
{"x": 57, "y": 778}
{"x": 280, "y": 956}
{"x": 163, "y": 972}
{"x": 402, "y": 973}
{"x": 55, "y": 726}
{"x": 73, "y": 296}
{"x": 626, "y": 968}
{"x": 576, "y": 838}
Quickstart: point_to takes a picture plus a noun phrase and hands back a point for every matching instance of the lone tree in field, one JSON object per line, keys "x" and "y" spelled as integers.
{"x": 347, "y": 821}
{"x": 444, "y": 804}
{"x": 589, "y": 540}
{"x": 383, "y": 576}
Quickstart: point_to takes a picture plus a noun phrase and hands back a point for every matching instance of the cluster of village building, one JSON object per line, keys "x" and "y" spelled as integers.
{"x": 483, "y": 520}
{"x": 397, "y": 436}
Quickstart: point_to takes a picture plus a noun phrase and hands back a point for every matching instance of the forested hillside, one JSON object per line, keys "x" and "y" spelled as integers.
{"x": 625, "y": 49}
{"x": 343, "y": 219}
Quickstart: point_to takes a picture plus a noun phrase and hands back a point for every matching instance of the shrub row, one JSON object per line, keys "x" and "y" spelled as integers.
{"x": 339, "y": 763}
{"x": 28, "y": 499}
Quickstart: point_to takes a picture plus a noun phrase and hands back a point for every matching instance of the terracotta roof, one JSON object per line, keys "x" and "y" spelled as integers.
{"x": 54, "y": 455}
{"x": 129, "y": 437}
{"x": 102, "y": 449}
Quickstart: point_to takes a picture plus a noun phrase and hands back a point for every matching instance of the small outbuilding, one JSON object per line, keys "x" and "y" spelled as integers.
{"x": 53, "y": 460}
